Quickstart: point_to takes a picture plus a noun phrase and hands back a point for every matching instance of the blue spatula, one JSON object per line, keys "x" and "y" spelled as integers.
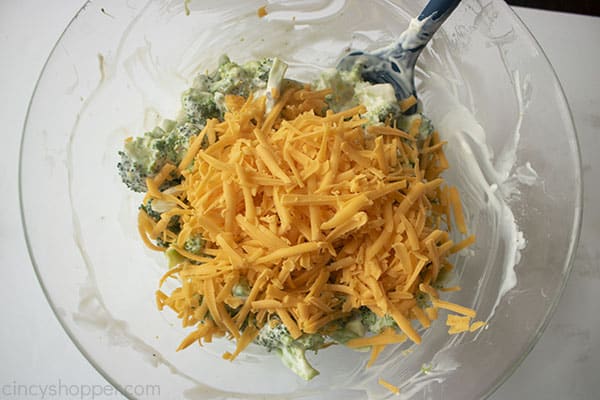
{"x": 395, "y": 64}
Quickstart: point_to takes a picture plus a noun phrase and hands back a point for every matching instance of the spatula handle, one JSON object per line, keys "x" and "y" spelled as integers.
{"x": 438, "y": 10}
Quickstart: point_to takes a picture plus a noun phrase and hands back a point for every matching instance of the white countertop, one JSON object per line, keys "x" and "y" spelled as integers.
{"x": 36, "y": 351}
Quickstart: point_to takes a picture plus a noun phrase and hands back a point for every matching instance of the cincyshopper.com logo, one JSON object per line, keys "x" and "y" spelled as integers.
{"x": 62, "y": 390}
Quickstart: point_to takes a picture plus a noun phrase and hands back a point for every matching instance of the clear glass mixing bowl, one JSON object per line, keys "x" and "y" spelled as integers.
{"x": 119, "y": 68}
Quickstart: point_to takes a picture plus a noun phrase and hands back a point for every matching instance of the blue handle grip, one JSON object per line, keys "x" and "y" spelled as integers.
{"x": 438, "y": 9}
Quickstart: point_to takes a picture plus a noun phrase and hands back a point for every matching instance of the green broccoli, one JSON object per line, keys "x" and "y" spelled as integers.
{"x": 273, "y": 337}
{"x": 260, "y": 69}
{"x": 242, "y": 288}
{"x": 173, "y": 257}
{"x": 241, "y": 80}
{"x": 194, "y": 244}
{"x": 151, "y": 212}
{"x": 341, "y": 331}
{"x": 199, "y": 106}
{"x": 342, "y": 83}
{"x": 144, "y": 156}
{"x": 350, "y": 90}
{"x": 425, "y": 129}
{"x": 292, "y": 352}
{"x": 187, "y": 130}
{"x": 380, "y": 101}
{"x": 154, "y": 209}
{"x": 373, "y": 323}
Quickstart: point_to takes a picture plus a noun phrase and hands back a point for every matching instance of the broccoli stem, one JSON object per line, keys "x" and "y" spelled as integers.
{"x": 294, "y": 357}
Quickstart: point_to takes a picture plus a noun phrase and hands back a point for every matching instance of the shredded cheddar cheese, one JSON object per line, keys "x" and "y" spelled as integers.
{"x": 392, "y": 388}
{"x": 262, "y": 11}
{"x": 317, "y": 214}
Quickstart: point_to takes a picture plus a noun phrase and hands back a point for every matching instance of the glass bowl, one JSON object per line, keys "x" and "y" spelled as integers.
{"x": 120, "y": 67}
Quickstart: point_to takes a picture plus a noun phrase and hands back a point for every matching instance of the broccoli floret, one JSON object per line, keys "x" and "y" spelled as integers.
{"x": 168, "y": 125}
{"x": 228, "y": 78}
{"x": 342, "y": 83}
{"x": 423, "y": 300}
{"x": 259, "y": 69}
{"x": 292, "y": 352}
{"x": 342, "y": 331}
{"x": 173, "y": 257}
{"x": 350, "y": 90}
{"x": 206, "y": 98}
{"x": 154, "y": 209}
{"x": 380, "y": 101}
{"x": 147, "y": 208}
{"x": 242, "y": 288}
{"x": 425, "y": 129}
{"x": 274, "y": 336}
{"x": 294, "y": 357}
{"x": 194, "y": 244}
{"x": 233, "y": 78}
{"x": 144, "y": 156}
{"x": 312, "y": 341}
{"x": 382, "y": 112}
{"x": 133, "y": 174}
{"x": 188, "y": 130}
{"x": 375, "y": 323}
{"x": 199, "y": 106}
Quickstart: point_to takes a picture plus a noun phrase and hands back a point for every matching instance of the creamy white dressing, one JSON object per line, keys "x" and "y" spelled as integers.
{"x": 484, "y": 184}
{"x": 410, "y": 38}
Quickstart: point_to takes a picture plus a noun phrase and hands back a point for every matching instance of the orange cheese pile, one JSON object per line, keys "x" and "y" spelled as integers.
{"x": 319, "y": 215}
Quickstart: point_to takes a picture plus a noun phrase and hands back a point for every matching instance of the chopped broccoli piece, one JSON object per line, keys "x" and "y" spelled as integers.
{"x": 242, "y": 288}
{"x": 260, "y": 69}
{"x": 152, "y": 213}
{"x": 426, "y": 369}
{"x": 423, "y": 300}
{"x": 373, "y": 322}
{"x": 342, "y": 83}
{"x": 292, "y": 352}
{"x": 341, "y": 331}
{"x": 273, "y": 337}
{"x": 425, "y": 129}
{"x": 188, "y": 129}
{"x": 199, "y": 106}
{"x": 194, "y": 244}
{"x": 312, "y": 341}
{"x": 233, "y": 78}
{"x": 154, "y": 209}
{"x": 144, "y": 156}
{"x": 294, "y": 357}
{"x": 350, "y": 90}
{"x": 173, "y": 257}
{"x": 380, "y": 101}
{"x": 162, "y": 243}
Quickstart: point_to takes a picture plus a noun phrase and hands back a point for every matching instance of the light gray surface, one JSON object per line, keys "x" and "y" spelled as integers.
{"x": 38, "y": 355}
